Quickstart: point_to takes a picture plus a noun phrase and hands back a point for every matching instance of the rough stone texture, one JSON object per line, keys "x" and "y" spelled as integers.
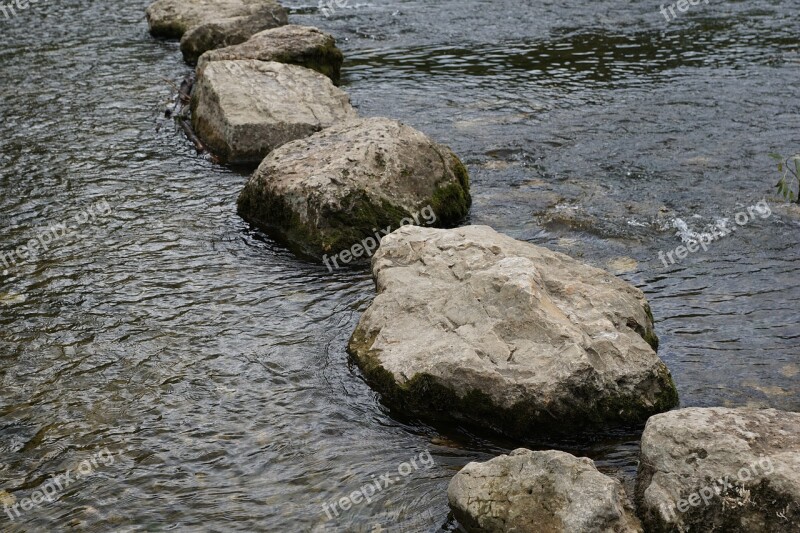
{"x": 687, "y": 452}
{"x": 245, "y": 109}
{"x": 207, "y": 24}
{"x": 298, "y": 45}
{"x": 334, "y": 189}
{"x": 472, "y": 325}
{"x": 545, "y": 492}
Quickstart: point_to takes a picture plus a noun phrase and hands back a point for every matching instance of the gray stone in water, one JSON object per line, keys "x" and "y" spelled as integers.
{"x": 547, "y": 492}
{"x": 720, "y": 469}
{"x": 208, "y": 24}
{"x": 297, "y": 45}
{"x": 471, "y": 325}
{"x": 341, "y": 186}
{"x": 245, "y": 109}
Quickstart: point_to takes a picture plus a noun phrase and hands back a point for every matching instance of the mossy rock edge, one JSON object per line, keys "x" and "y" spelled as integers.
{"x": 358, "y": 219}
{"x": 425, "y": 396}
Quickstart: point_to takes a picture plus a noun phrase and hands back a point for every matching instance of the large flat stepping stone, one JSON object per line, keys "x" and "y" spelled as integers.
{"x": 547, "y": 491}
{"x": 473, "y": 326}
{"x": 208, "y": 24}
{"x": 245, "y": 109}
{"x": 341, "y": 189}
{"x": 719, "y": 469}
{"x": 297, "y": 45}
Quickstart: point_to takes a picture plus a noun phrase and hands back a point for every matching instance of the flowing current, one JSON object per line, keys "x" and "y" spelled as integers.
{"x": 210, "y": 362}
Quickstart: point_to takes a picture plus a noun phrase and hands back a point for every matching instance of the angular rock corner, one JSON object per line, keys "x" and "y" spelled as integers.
{"x": 719, "y": 469}
{"x": 343, "y": 185}
{"x": 548, "y": 491}
{"x": 203, "y": 25}
{"x": 305, "y": 46}
{"x": 244, "y": 109}
{"x": 472, "y": 325}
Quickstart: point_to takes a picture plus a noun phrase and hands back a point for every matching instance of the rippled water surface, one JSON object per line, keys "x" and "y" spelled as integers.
{"x": 210, "y": 361}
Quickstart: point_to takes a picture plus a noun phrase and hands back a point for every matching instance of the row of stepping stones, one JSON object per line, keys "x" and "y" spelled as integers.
{"x": 468, "y": 324}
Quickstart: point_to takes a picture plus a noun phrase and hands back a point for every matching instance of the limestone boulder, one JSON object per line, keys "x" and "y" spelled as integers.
{"x": 474, "y": 326}
{"x": 542, "y": 491}
{"x": 208, "y": 24}
{"x": 245, "y": 109}
{"x": 353, "y": 183}
{"x": 720, "y": 469}
{"x": 297, "y": 45}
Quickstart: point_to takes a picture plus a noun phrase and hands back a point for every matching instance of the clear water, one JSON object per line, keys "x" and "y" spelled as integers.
{"x": 211, "y": 361}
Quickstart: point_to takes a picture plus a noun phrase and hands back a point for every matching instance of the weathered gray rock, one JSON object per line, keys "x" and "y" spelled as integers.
{"x": 343, "y": 185}
{"x": 718, "y": 469}
{"x": 472, "y": 325}
{"x": 245, "y": 109}
{"x": 207, "y": 24}
{"x": 550, "y": 491}
{"x": 297, "y": 45}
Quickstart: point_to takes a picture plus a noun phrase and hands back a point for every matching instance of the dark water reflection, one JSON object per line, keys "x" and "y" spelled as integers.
{"x": 211, "y": 361}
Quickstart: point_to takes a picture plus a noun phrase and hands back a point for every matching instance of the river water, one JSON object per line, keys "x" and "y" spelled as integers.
{"x": 211, "y": 363}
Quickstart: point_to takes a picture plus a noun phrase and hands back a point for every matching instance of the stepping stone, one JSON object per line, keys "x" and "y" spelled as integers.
{"x": 208, "y": 24}
{"x": 334, "y": 194}
{"x": 245, "y": 109}
{"x": 297, "y": 45}
{"x": 548, "y": 491}
{"x": 720, "y": 469}
{"x": 471, "y": 326}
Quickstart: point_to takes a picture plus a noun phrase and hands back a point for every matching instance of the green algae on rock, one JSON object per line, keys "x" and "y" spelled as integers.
{"x": 330, "y": 191}
{"x": 473, "y": 326}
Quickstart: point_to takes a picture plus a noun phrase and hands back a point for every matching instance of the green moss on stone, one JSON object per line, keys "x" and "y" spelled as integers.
{"x": 451, "y": 201}
{"x": 646, "y": 331}
{"x": 357, "y": 219}
{"x": 461, "y": 173}
{"x": 668, "y": 396}
{"x": 277, "y": 218}
{"x": 651, "y": 338}
{"x": 326, "y": 60}
{"x": 451, "y": 204}
{"x": 425, "y": 396}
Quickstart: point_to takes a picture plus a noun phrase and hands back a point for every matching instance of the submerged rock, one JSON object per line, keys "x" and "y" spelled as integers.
{"x": 245, "y": 109}
{"x": 208, "y": 24}
{"x": 472, "y": 325}
{"x": 343, "y": 185}
{"x": 547, "y": 491}
{"x": 298, "y": 45}
{"x": 718, "y": 469}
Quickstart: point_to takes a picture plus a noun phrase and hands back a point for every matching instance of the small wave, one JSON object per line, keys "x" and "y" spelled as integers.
{"x": 689, "y": 236}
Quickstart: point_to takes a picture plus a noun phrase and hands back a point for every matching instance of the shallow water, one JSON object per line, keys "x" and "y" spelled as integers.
{"x": 211, "y": 362}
